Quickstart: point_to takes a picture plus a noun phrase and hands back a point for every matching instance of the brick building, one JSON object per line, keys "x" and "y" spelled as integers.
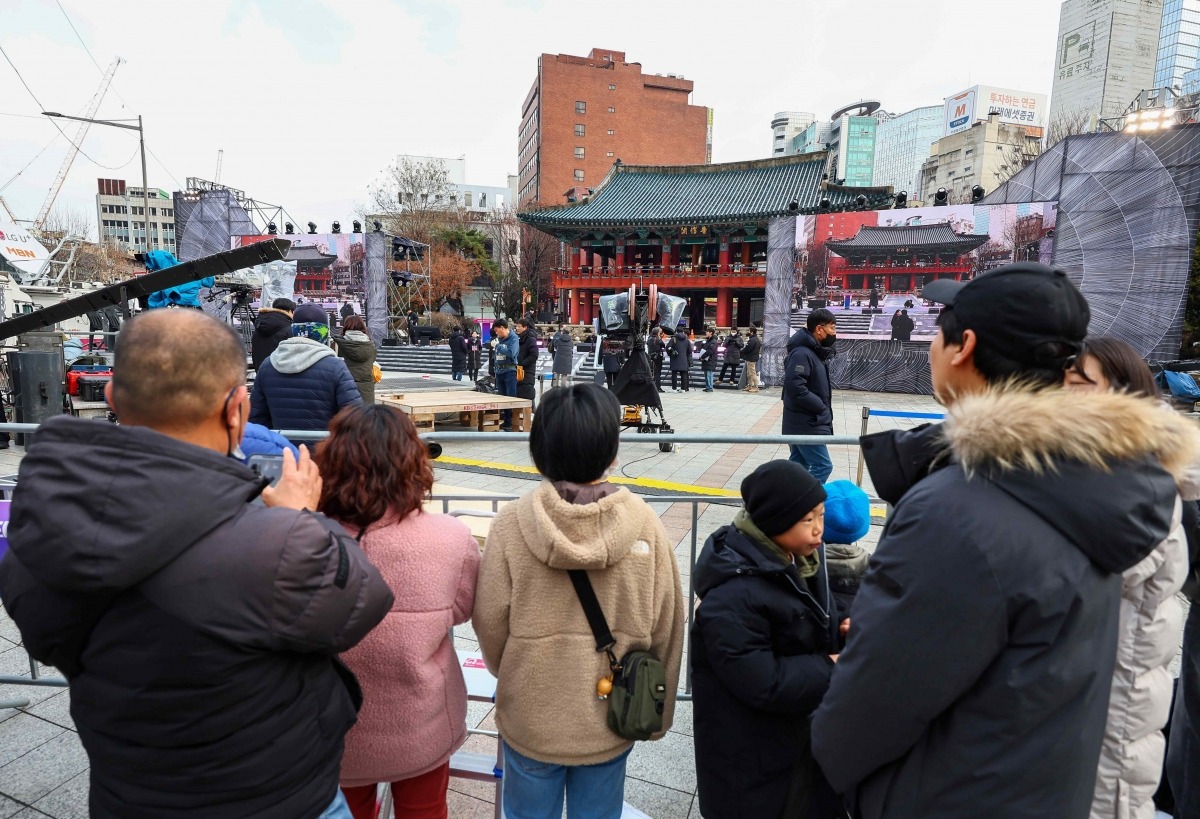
{"x": 584, "y": 113}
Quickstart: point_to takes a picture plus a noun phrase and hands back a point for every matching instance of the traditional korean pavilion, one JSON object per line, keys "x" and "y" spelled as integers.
{"x": 903, "y": 258}
{"x": 698, "y": 231}
{"x": 313, "y": 268}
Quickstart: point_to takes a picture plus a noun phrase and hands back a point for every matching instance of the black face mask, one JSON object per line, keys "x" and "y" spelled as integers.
{"x": 829, "y": 341}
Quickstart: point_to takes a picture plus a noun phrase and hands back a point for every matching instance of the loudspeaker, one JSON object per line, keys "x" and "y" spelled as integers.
{"x": 37, "y": 384}
{"x": 813, "y": 304}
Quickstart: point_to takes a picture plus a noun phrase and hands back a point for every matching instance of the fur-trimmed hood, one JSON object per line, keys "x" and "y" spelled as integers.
{"x": 1102, "y": 468}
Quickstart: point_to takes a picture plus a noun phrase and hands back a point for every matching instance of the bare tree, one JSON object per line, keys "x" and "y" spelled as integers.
{"x": 1017, "y": 154}
{"x": 415, "y": 199}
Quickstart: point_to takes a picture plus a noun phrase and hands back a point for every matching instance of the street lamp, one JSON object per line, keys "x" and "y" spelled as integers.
{"x": 142, "y": 143}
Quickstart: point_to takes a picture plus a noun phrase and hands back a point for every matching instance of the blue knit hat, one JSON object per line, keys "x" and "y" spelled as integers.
{"x": 847, "y": 512}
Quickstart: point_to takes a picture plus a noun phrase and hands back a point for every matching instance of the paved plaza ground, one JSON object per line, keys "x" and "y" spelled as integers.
{"x": 44, "y": 770}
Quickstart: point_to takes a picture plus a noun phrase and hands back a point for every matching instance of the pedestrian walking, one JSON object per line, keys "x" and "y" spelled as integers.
{"x": 656, "y": 350}
{"x": 708, "y": 358}
{"x": 733, "y": 357}
{"x": 994, "y": 598}
{"x": 527, "y": 359}
{"x": 202, "y": 648}
{"x": 358, "y": 351}
{"x": 459, "y": 351}
{"x": 1131, "y": 758}
{"x": 750, "y": 355}
{"x": 680, "y": 351}
{"x": 377, "y": 473}
{"x": 530, "y": 621}
{"x": 764, "y": 642}
{"x": 610, "y": 357}
{"x": 807, "y": 394}
{"x": 897, "y": 320}
{"x": 905, "y": 327}
{"x": 562, "y": 348}
{"x": 505, "y": 349}
{"x": 474, "y": 355}
{"x": 413, "y": 322}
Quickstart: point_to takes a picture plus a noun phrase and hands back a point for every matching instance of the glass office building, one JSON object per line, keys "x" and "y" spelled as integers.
{"x": 853, "y": 142}
{"x": 902, "y": 144}
{"x": 1178, "y": 43}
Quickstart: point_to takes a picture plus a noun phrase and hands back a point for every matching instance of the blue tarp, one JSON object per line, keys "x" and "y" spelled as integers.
{"x": 185, "y": 295}
{"x": 1181, "y": 385}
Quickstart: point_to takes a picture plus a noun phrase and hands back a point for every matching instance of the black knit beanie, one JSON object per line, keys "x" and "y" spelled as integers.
{"x": 779, "y": 494}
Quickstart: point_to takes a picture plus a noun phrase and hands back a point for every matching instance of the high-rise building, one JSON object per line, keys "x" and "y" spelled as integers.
{"x": 902, "y": 145}
{"x": 813, "y": 138}
{"x": 852, "y": 142}
{"x": 584, "y": 113}
{"x": 121, "y": 216}
{"x": 787, "y": 125}
{"x": 986, "y": 154}
{"x": 1178, "y": 43}
{"x": 1106, "y": 56}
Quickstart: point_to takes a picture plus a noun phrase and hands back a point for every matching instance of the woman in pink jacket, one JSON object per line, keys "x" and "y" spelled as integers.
{"x": 376, "y": 475}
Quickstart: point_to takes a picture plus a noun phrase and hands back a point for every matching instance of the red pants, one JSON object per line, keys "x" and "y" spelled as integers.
{"x": 422, "y": 797}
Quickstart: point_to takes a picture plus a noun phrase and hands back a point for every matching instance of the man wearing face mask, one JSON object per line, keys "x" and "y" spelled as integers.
{"x": 198, "y": 630}
{"x": 807, "y": 395}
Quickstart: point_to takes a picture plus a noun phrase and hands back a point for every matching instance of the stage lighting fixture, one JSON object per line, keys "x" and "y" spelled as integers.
{"x": 825, "y": 203}
{"x": 272, "y": 229}
{"x": 356, "y": 226}
{"x": 901, "y": 200}
{"x": 337, "y": 227}
{"x": 378, "y": 226}
{"x": 941, "y": 198}
{"x": 860, "y": 202}
{"x": 312, "y": 227}
{"x": 289, "y": 228}
{"x": 977, "y": 193}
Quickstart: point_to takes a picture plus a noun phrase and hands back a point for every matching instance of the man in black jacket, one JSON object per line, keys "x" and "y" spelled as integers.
{"x": 656, "y": 349}
{"x": 807, "y": 395}
{"x": 976, "y": 676}
{"x": 273, "y": 326}
{"x": 527, "y": 358}
{"x": 199, "y": 631}
{"x": 750, "y": 356}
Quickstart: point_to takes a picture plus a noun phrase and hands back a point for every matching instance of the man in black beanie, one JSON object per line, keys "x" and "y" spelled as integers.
{"x": 764, "y": 641}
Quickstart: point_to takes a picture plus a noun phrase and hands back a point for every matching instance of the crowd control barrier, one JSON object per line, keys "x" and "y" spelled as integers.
{"x": 868, "y": 413}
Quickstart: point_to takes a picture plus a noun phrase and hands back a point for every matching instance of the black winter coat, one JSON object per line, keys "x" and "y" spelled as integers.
{"x": 655, "y": 348}
{"x": 807, "y": 395}
{"x": 708, "y": 354}
{"x": 527, "y": 355}
{"x": 301, "y": 388}
{"x": 976, "y": 676}
{"x": 474, "y": 352}
{"x": 733, "y": 350}
{"x": 680, "y": 350}
{"x": 752, "y": 349}
{"x": 760, "y": 647}
{"x": 198, "y": 631}
{"x": 272, "y": 327}
{"x": 459, "y": 350}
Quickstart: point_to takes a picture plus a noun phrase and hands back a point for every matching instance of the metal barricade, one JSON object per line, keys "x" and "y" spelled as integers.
{"x": 868, "y": 413}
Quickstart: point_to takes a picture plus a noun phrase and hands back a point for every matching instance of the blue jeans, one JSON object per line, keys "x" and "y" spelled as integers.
{"x": 708, "y": 380}
{"x": 338, "y": 809}
{"x": 506, "y": 384}
{"x": 814, "y": 458}
{"x": 535, "y": 790}
{"x": 457, "y": 375}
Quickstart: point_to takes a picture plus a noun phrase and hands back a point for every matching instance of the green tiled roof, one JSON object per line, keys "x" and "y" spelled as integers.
{"x": 691, "y": 194}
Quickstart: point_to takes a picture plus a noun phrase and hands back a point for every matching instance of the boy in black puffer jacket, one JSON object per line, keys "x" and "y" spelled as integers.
{"x": 764, "y": 641}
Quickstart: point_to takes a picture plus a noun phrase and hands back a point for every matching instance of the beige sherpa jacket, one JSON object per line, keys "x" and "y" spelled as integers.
{"x": 1099, "y": 429}
{"x": 532, "y": 630}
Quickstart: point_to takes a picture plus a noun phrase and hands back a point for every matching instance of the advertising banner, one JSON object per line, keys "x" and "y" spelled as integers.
{"x": 973, "y": 105}
{"x": 21, "y": 250}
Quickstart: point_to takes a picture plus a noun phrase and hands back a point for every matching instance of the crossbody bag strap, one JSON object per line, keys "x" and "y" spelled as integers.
{"x": 594, "y": 614}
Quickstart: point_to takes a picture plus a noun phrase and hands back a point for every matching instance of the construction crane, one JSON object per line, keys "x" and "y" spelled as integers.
{"x": 217, "y": 175}
{"x": 74, "y": 149}
{"x": 8, "y": 210}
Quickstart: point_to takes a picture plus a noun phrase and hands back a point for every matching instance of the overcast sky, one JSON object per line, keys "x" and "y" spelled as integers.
{"x": 311, "y": 100}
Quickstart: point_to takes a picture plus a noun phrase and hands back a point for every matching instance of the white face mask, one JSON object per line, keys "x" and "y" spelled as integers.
{"x": 613, "y": 467}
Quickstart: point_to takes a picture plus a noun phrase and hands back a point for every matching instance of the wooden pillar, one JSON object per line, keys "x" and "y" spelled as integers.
{"x": 585, "y": 306}
{"x": 743, "y": 311}
{"x": 724, "y": 306}
{"x": 723, "y": 257}
{"x": 668, "y": 256}
{"x": 576, "y": 260}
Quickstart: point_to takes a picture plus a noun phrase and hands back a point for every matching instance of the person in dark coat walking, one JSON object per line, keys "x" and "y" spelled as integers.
{"x": 873, "y": 299}
{"x": 459, "y": 351}
{"x": 562, "y": 347}
{"x": 413, "y": 322}
{"x": 896, "y": 320}
{"x": 610, "y": 357}
{"x": 656, "y": 349}
{"x": 733, "y": 358}
{"x": 680, "y": 351}
{"x": 905, "y": 327}
{"x": 708, "y": 358}
{"x": 196, "y": 615}
{"x": 807, "y": 394}
{"x": 272, "y": 327}
{"x": 750, "y": 355}
{"x": 993, "y": 601}
{"x": 303, "y": 384}
{"x": 527, "y": 358}
{"x": 474, "y": 355}
{"x": 358, "y": 351}
{"x": 764, "y": 642}
{"x": 346, "y": 312}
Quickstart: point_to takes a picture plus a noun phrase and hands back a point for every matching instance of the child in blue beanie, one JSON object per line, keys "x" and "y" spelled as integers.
{"x": 847, "y": 520}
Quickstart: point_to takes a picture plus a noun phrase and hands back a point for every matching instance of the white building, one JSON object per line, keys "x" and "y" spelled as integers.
{"x": 813, "y": 138}
{"x": 902, "y": 145}
{"x": 121, "y": 216}
{"x": 475, "y": 199}
{"x": 787, "y": 125}
{"x": 1107, "y": 51}
{"x": 986, "y": 154}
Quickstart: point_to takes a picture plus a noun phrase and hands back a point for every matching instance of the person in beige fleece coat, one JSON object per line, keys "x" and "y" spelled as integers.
{"x": 531, "y": 626}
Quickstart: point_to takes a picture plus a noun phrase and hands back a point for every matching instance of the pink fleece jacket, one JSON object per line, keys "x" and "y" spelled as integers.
{"x": 414, "y": 699}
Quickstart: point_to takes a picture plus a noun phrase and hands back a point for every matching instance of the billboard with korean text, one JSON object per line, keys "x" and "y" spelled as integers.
{"x": 1016, "y": 107}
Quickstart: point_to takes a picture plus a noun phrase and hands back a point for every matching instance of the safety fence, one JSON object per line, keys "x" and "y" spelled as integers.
{"x": 868, "y": 413}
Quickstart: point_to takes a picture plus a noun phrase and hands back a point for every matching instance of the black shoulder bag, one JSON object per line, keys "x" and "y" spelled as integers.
{"x": 639, "y": 680}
